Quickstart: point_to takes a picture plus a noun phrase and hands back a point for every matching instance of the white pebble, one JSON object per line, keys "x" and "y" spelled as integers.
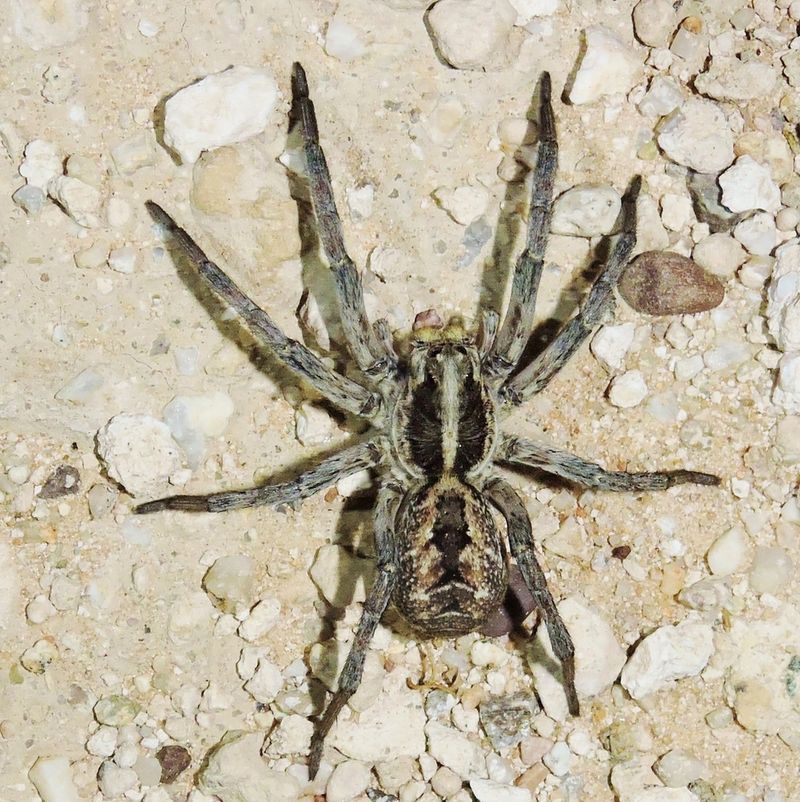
{"x": 292, "y": 736}
{"x": 677, "y": 768}
{"x": 114, "y": 780}
{"x": 92, "y": 257}
{"x": 118, "y": 211}
{"x": 720, "y": 254}
{"x": 676, "y": 211}
{"x": 340, "y": 576}
{"x": 266, "y": 682}
{"x": 654, "y": 22}
{"x": 103, "y": 742}
{"x": 354, "y": 483}
{"x": 347, "y": 781}
{"x": 147, "y": 28}
{"x": 787, "y": 219}
{"x": 783, "y": 297}
{"x": 586, "y": 210}
{"x": 608, "y": 66}
{"x": 528, "y": 9}
{"x": 42, "y": 163}
{"x": 18, "y": 474}
{"x": 263, "y": 617}
{"x": 194, "y": 418}
{"x": 469, "y": 33}
{"x": 39, "y": 609}
{"x": 342, "y": 41}
{"x": 627, "y": 390}
{"x": 463, "y": 204}
{"x": 81, "y": 201}
{"x": 313, "y": 426}
{"x": 611, "y": 344}
{"x": 738, "y": 80}
{"x": 230, "y": 580}
{"x": 38, "y": 657}
{"x": 122, "y": 260}
{"x": 360, "y": 200}
{"x": 757, "y": 233}
{"x": 138, "y": 452}
{"x": 663, "y": 96}
{"x": 134, "y": 153}
{"x": 786, "y": 393}
{"x": 80, "y": 388}
{"x": 52, "y": 778}
{"x": 669, "y": 653}
{"x": 748, "y": 185}
{"x": 221, "y": 109}
{"x": 558, "y": 759}
{"x": 727, "y": 552}
{"x": 772, "y": 568}
{"x": 454, "y": 749}
{"x": 697, "y": 135}
{"x": 491, "y": 791}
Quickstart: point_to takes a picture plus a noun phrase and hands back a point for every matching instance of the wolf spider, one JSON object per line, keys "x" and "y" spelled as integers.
{"x": 435, "y": 435}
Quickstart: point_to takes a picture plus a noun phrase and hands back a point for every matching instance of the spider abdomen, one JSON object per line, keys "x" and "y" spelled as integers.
{"x": 451, "y": 558}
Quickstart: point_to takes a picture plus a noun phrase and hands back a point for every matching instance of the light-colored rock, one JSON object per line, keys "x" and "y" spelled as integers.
{"x": 134, "y": 153}
{"x": 349, "y": 779}
{"x": 292, "y": 736}
{"x": 786, "y": 393}
{"x": 727, "y": 552}
{"x": 558, "y": 759}
{"x": 748, "y": 185}
{"x": 611, "y": 344}
{"x": 787, "y": 439}
{"x": 221, "y": 109}
{"x": 262, "y": 619}
{"x": 608, "y": 66}
{"x": 234, "y": 771}
{"x": 586, "y": 210}
{"x": 193, "y": 418}
{"x": 730, "y": 78}
{"x": 360, "y": 200}
{"x": 676, "y": 211}
{"x": 663, "y": 96}
{"x": 783, "y": 297}
{"x": 720, "y": 254}
{"x": 122, "y": 260}
{"x": 491, "y": 791}
{"x": 81, "y": 201}
{"x": 654, "y": 22}
{"x": 669, "y": 653}
{"x": 230, "y": 581}
{"x": 41, "y": 164}
{"x": 266, "y": 682}
{"x": 42, "y": 25}
{"x": 454, "y": 749}
{"x": 529, "y": 9}
{"x": 103, "y": 742}
{"x": 52, "y": 778}
{"x": 138, "y": 452}
{"x": 327, "y": 660}
{"x": 697, "y": 135}
{"x": 342, "y": 41}
{"x": 598, "y": 657}
{"x": 757, "y": 233}
{"x": 470, "y": 34}
{"x": 463, "y": 204}
{"x": 341, "y": 577}
{"x": 771, "y": 570}
{"x": 115, "y": 710}
{"x": 114, "y": 780}
{"x": 39, "y": 609}
{"x": 677, "y": 768}
{"x": 313, "y": 426}
{"x": 628, "y": 389}
{"x": 38, "y": 657}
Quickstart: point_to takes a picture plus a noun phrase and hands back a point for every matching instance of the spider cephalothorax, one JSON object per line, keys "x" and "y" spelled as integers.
{"x": 436, "y": 436}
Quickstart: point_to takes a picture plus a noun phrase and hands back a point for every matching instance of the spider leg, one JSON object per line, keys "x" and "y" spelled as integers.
{"x": 538, "y": 374}
{"x": 377, "y": 600}
{"x": 364, "y": 345}
{"x": 326, "y": 473}
{"x": 520, "y": 537}
{"x": 338, "y": 389}
{"x": 517, "y": 451}
{"x": 518, "y": 319}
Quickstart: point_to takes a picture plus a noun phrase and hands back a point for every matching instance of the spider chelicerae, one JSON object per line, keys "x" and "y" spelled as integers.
{"x": 435, "y": 410}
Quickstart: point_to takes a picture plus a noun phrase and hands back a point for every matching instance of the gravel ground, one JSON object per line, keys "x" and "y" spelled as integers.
{"x": 182, "y": 656}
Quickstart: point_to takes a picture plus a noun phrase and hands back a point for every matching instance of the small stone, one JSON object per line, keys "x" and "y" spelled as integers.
{"x": 115, "y": 711}
{"x": 727, "y": 552}
{"x": 65, "y": 593}
{"x": 313, "y": 426}
{"x": 654, "y": 22}
{"x": 608, "y": 66}
{"x": 266, "y": 682}
{"x": 783, "y": 297}
{"x": 663, "y": 96}
{"x": 118, "y": 212}
{"x": 39, "y": 609}
{"x": 342, "y": 41}
{"x": 720, "y": 254}
{"x": 697, "y": 135}
{"x": 357, "y": 482}
{"x": 230, "y": 581}
{"x": 82, "y": 202}
{"x": 463, "y": 204}
{"x": 786, "y": 393}
{"x": 757, "y": 233}
{"x": 360, "y": 200}
{"x": 719, "y": 717}
{"x": 194, "y": 418}
{"x": 340, "y": 576}
{"x": 771, "y": 570}
{"x": 292, "y": 736}
{"x": 221, "y": 109}
{"x": 731, "y": 78}
{"x": 30, "y": 199}
{"x": 42, "y": 163}
{"x": 611, "y": 344}
{"x": 748, "y": 185}
{"x": 122, "y": 260}
{"x": 506, "y": 720}
{"x": 469, "y": 34}
{"x": 138, "y": 452}
{"x": 262, "y": 619}
{"x": 60, "y": 83}
{"x": 787, "y": 439}
{"x": 38, "y": 657}
{"x": 676, "y": 211}
{"x": 678, "y": 768}
{"x": 92, "y": 257}
{"x": 445, "y": 782}
{"x": 587, "y": 210}
{"x": 349, "y": 779}
{"x": 101, "y": 500}
{"x": 669, "y": 284}
{"x": 491, "y": 791}
{"x": 64, "y": 481}
{"x": 114, "y": 780}
{"x": 103, "y": 742}
{"x": 668, "y": 653}
{"x": 134, "y": 153}
{"x": 527, "y": 10}
{"x": 628, "y": 389}
{"x": 327, "y": 660}
{"x": 147, "y": 28}
{"x": 52, "y": 778}
{"x": 727, "y": 355}
{"x": 454, "y": 749}
{"x": 148, "y": 770}
{"x": 558, "y": 759}
{"x": 706, "y": 197}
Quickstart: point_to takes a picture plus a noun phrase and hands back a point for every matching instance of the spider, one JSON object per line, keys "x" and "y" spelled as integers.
{"x": 435, "y": 440}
